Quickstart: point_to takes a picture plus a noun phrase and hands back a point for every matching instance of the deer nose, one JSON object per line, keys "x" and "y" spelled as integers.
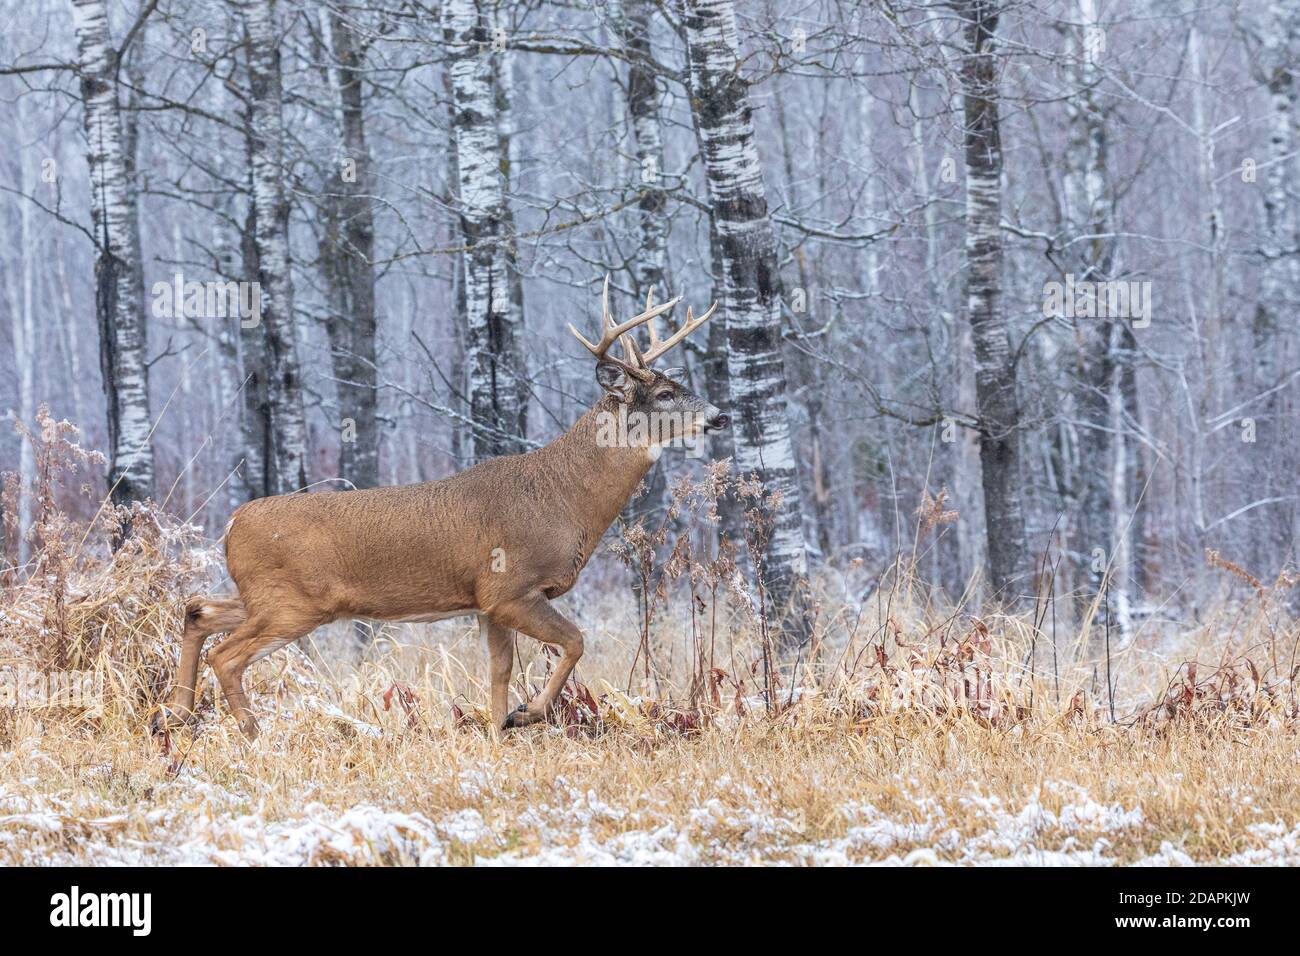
{"x": 719, "y": 421}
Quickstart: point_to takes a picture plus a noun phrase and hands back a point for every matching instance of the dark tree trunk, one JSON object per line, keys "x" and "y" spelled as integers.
{"x": 255, "y": 409}
{"x": 995, "y": 370}
{"x": 347, "y": 253}
{"x": 286, "y": 462}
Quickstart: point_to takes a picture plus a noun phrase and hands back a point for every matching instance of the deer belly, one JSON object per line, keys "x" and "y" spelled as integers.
{"x": 430, "y": 617}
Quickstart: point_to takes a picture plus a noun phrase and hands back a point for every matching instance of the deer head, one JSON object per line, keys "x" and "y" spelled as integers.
{"x": 657, "y": 404}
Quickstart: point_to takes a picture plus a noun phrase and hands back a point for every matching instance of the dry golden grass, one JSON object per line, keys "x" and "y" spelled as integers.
{"x": 347, "y": 772}
{"x": 917, "y": 735}
{"x": 349, "y": 781}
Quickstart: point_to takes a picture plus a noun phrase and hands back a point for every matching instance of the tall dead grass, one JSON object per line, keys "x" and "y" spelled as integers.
{"x": 908, "y": 731}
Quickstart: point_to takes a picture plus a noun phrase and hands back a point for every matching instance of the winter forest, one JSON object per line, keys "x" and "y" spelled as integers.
{"x": 1028, "y": 265}
{"x": 1005, "y": 339}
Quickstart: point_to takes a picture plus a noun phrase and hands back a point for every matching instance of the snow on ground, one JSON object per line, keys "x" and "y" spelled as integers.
{"x": 204, "y": 824}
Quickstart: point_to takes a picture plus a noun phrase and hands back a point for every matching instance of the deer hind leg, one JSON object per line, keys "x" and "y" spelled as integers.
{"x": 203, "y": 618}
{"x": 536, "y": 617}
{"x": 501, "y": 655}
{"x": 260, "y": 635}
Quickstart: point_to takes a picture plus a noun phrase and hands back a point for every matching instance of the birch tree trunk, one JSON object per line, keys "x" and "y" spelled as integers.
{"x": 462, "y": 441}
{"x": 995, "y": 371}
{"x": 631, "y": 21}
{"x": 647, "y": 134}
{"x": 504, "y": 80}
{"x": 1275, "y": 465}
{"x": 348, "y": 253}
{"x": 119, "y": 291}
{"x": 283, "y": 413}
{"x": 717, "y": 388}
{"x": 750, "y": 298}
{"x": 254, "y": 364}
{"x": 494, "y": 319}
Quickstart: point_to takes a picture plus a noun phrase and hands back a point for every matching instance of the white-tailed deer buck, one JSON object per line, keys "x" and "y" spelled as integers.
{"x": 500, "y": 540}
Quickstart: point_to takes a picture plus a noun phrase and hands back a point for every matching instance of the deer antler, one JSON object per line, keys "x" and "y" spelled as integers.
{"x": 658, "y": 348}
{"x": 611, "y": 331}
{"x": 636, "y": 362}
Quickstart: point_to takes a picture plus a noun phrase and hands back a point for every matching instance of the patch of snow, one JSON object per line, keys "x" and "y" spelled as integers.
{"x": 1168, "y": 855}
{"x": 663, "y": 846}
{"x": 1281, "y": 847}
{"x": 362, "y": 834}
{"x": 464, "y": 826}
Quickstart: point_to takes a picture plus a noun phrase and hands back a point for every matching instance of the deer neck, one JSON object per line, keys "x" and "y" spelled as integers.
{"x": 601, "y": 475}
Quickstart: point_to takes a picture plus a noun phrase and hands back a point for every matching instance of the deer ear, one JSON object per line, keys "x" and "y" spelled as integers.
{"x": 615, "y": 380}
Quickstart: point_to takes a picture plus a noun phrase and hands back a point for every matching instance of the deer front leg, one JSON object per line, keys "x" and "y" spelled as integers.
{"x": 536, "y": 617}
{"x": 501, "y": 656}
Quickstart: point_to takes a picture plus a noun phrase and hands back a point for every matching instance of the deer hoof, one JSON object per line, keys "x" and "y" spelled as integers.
{"x": 521, "y": 717}
{"x": 165, "y": 718}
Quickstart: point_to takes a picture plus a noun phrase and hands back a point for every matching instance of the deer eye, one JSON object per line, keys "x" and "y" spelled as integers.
{"x": 664, "y": 395}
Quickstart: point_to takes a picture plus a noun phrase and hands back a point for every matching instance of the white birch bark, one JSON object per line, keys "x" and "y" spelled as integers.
{"x": 119, "y": 293}
{"x": 504, "y": 68}
{"x": 493, "y": 319}
{"x": 647, "y": 136}
{"x": 1281, "y": 279}
{"x": 286, "y": 463}
{"x": 1273, "y": 527}
{"x": 751, "y": 301}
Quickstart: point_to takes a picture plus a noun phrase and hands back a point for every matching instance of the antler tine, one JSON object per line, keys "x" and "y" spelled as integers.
{"x": 652, "y": 327}
{"x": 646, "y": 316}
{"x": 606, "y": 320}
{"x": 610, "y": 332}
{"x": 633, "y": 357}
{"x": 597, "y": 350}
{"x": 659, "y": 348}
